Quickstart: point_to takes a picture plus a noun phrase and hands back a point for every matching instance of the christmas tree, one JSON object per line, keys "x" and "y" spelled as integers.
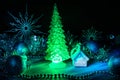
{"x": 56, "y": 44}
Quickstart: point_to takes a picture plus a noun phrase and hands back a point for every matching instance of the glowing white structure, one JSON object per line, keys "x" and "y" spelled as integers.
{"x": 79, "y": 59}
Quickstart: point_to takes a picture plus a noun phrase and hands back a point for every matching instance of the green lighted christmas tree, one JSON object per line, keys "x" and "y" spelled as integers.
{"x": 56, "y": 44}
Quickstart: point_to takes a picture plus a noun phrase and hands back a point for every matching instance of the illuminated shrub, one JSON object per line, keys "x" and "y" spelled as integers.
{"x": 37, "y": 45}
{"x": 7, "y": 43}
{"x": 71, "y": 40}
{"x": 93, "y": 51}
{"x": 102, "y": 54}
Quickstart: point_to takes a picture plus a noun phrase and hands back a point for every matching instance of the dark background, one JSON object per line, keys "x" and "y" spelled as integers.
{"x": 76, "y": 15}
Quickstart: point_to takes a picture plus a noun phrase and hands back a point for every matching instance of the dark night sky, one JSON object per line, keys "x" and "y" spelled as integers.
{"x": 76, "y": 15}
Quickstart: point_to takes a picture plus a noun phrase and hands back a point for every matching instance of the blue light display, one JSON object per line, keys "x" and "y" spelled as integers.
{"x": 22, "y": 49}
{"x": 92, "y": 46}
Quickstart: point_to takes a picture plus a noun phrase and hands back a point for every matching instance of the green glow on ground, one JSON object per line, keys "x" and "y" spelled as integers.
{"x": 42, "y": 67}
{"x": 57, "y": 65}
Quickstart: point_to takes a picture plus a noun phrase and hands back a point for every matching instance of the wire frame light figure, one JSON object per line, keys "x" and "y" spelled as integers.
{"x": 24, "y": 25}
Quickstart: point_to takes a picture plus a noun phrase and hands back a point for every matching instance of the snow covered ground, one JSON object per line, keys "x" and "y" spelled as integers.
{"x": 42, "y": 67}
{"x": 40, "y": 70}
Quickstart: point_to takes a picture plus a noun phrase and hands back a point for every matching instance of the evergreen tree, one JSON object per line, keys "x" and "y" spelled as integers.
{"x": 56, "y": 45}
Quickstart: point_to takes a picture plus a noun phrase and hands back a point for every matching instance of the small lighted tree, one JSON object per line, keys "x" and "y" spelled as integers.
{"x": 57, "y": 50}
